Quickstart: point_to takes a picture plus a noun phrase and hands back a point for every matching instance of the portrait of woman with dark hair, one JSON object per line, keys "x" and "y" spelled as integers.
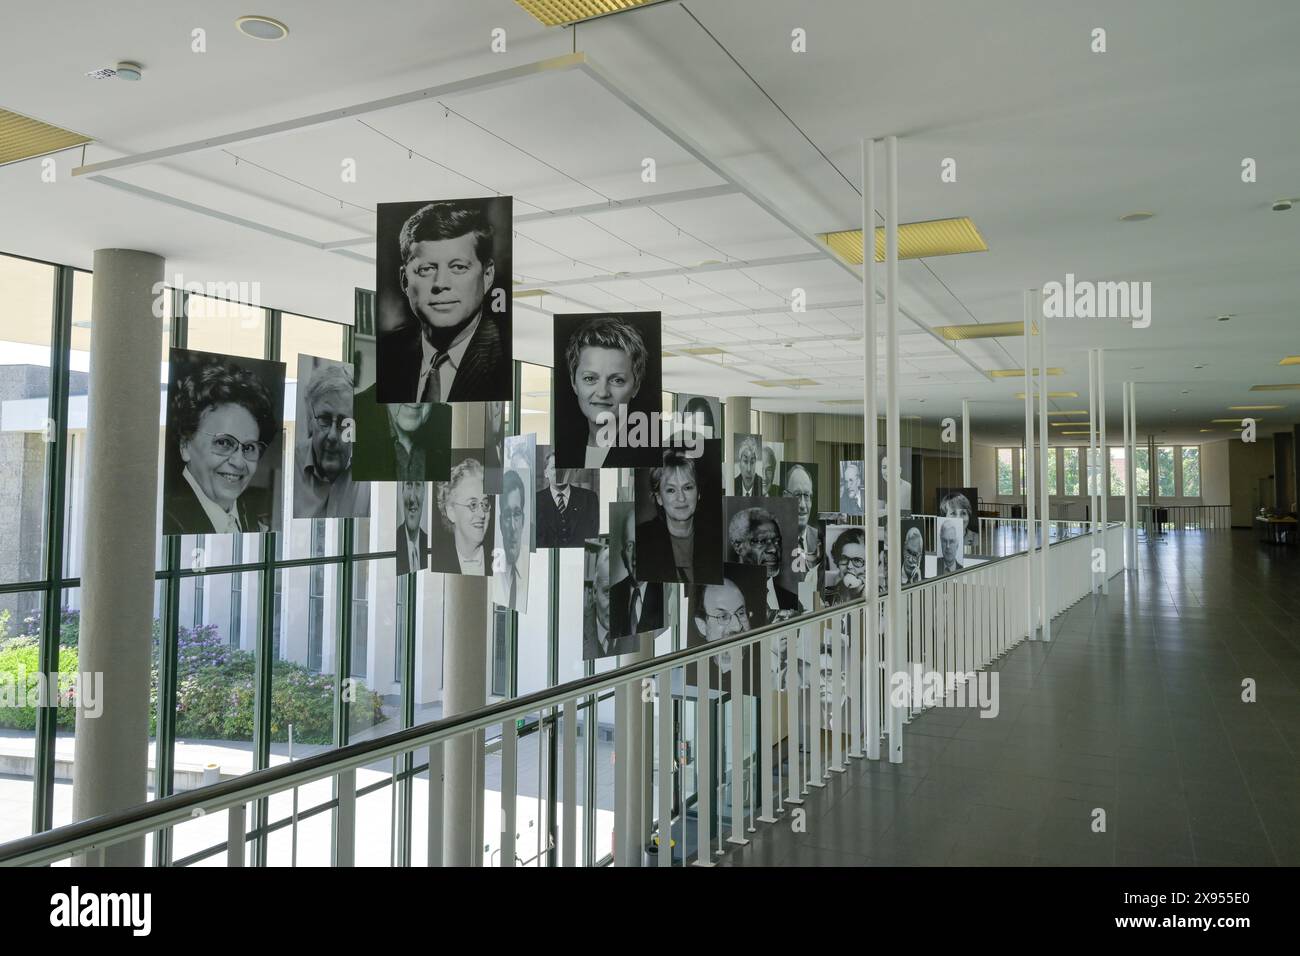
{"x": 607, "y": 385}
{"x": 679, "y": 531}
{"x": 466, "y": 518}
{"x": 222, "y": 469}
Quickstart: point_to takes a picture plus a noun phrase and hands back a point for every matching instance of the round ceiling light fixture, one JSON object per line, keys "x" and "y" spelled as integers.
{"x": 1225, "y": 318}
{"x": 127, "y": 70}
{"x": 261, "y": 28}
{"x": 1282, "y": 205}
{"x": 1141, "y": 216}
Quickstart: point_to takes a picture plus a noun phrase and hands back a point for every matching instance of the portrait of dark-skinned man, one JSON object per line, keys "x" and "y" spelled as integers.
{"x": 444, "y": 324}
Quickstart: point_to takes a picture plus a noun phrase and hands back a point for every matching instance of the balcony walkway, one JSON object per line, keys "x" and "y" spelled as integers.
{"x": 1135, "y": 707}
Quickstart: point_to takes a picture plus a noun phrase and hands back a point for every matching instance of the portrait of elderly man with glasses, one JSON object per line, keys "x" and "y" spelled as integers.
{"x": 799, "y": 481}
{"x": 466, "y": 513}
{"x": 323, "y": 484}
{"x": 723, "y": 610}
{"x": 222, "y": 469}
{"x": 755, "y": 536}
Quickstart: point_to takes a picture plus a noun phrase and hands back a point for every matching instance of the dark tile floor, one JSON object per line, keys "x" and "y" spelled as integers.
{"x": 1134, "y": 707}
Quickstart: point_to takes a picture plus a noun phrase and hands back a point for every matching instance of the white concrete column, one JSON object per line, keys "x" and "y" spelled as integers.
{"x": 1027, "y": 476}
{"x": 1044, "y": 449}
{"x": 1128, "y": 514}
{"x": 117, "y": 578}
{"x": 465, "y": 652}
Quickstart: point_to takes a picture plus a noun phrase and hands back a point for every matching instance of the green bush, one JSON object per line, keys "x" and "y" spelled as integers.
{"x": 17, "y": 662}
{"x": 215, "y": 687}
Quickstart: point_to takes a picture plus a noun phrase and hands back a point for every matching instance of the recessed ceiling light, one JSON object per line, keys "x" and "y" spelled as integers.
{"x": 1186, "y": 391}
{"x": 1137, "y": 367}
{"x": 1225, "y": 318}
{"x": 1141, "y": 216}
{"x": 1198, "y": 366}
{"x": 1254, "y": 408}
{"x": 1282, "y": 205}
{"x": 1290, "y": 360}
{"x": 1207, "y": 429}
{"x": 1229, "y": 421}
{"x": 1020, "y": 372}
{"x": 261, "y": 28}
{"x": 127, "y": 70}
{"x": 916, "y": 240}
{"x": 556, "y": 13}
{"x": 1288, "y": 387}
{"x": 988, "y": 330}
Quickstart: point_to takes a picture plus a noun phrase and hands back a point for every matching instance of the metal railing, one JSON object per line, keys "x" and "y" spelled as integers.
{"x": 791, "y": 702}
{"x": 1157, "y": 518}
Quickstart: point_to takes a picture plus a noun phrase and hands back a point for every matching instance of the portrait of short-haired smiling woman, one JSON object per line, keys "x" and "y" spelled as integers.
{"x": 222, "y": 468}
{"x": 604, "y": 361}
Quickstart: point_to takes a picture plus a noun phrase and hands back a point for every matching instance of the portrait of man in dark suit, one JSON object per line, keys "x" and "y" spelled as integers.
{"x": 567, "y": 513}
{"x": 598, "y": 639}
{"x": 410, "y": 441}
{"x": 443, "y": 284}
{"x": 635, "y": 606}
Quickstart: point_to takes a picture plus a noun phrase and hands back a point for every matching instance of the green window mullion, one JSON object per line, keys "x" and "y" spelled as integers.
{"x": 56, "y": 456}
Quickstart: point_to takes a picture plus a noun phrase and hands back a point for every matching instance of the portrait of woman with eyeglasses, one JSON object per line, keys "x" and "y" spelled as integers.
{"x": 466, "y": 512}
{"x": 221, "y": 473}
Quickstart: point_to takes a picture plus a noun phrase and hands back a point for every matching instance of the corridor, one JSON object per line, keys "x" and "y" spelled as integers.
{"x": 1134, "y": 708}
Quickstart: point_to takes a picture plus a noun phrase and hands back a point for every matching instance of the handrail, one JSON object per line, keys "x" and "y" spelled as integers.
{"x": 83, "y": 835}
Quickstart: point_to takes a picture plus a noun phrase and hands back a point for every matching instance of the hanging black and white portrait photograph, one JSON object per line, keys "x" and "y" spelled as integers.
{"x": 514, "y": 523}
{"x": 951, "y": 551}
{"x": 442, "y": 282}
{"x": 902, "y": 472}
{"x": 846, "y": 569}
{"x": 734, "y": 605}
{"x": 411, "y": 540}
{"x": 323, "y": 486}
{"x": 763, "y": 532}
{"x": 960, "y": 503}
{"x": 598, "y": 638}
{"x": 494, "y": 432}
{"x": 607, "y": 384}
{"x": 637, "y": 606}
{"x": 679, "y": 518}
{"x": 852, "y": 485}
{"x": 773, "y": 456}
{"x": 407, "y": 441}
{"x": 464, "y": 520}
{"x": 223, "y": 444}
{"x": 912, "y": 569}
{"x": 568, "y": 502}
{"x": 701, "y": 414}
{"x": 747, "y": 466}
{"x": 798, "y": 481}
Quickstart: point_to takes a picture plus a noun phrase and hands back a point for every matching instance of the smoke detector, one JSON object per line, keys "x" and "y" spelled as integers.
{"x": 261, "y": 28}
{"x": 126, "y": 70}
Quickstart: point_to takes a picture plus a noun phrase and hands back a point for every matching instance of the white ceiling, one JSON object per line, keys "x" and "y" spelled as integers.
{"x": 1052, "y": 142}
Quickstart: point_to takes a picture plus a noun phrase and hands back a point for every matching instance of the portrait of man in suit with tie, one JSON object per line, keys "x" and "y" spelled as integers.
{"x": 598, "y": 639}
{"x": 567, "y": 513}
{"x": 799, "y": 481}
{"x": 443, "y": 284}
{"x": 412, "y": 540}
{"x": 636, "y": 607}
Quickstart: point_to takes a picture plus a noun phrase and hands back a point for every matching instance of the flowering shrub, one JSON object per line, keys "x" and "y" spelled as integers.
{"x": 215, "y": 686}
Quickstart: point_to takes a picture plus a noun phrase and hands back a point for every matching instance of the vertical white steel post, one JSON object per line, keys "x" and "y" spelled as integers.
{"x": 1027, "y": 477}
{"x": 1092, "y": 458}
{"x": 794, "y": 769}
{"x": 569, "y": 773}
{"x": 855, "y": 684}
{"x": 509, "y": 790}
{"x": 704, "y": 787}
{"x": 836, "y": 722}
{"x": 435, "y": 804}
{"x": 666, "y": 760}
{"x": 1044, "y": 450}
{"x": 893, "y": 535}
{"x": 965, "y": 448}
{"x": 1103, "y": 471}
{"x": 1128, "y": 515}
{"x": 870, "y": 441}
{"x": 766, "y": 732}
{"x": 737, "y": 715}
